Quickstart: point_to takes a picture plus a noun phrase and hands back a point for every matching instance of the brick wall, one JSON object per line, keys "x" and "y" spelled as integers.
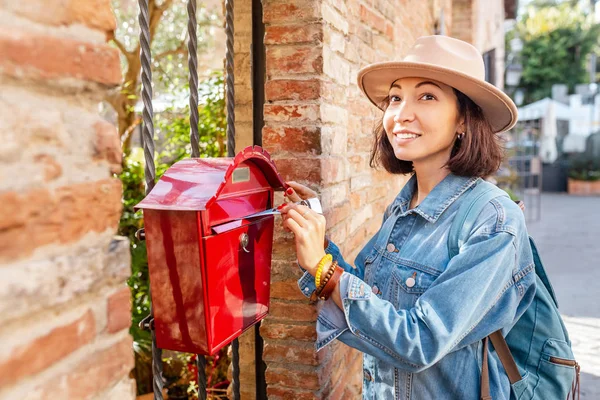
{"x": 318, "y": 128}
{"x": 64, "y": 305}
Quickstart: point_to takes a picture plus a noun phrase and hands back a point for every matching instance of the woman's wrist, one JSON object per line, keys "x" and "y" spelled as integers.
{"x": 313, "y": 269}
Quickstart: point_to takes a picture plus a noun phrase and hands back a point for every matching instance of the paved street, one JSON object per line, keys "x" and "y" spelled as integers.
{"x": 568, "y": 237}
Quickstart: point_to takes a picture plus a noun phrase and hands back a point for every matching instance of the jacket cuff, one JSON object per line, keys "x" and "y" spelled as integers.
{"x": 331, "y": 321}
{"x": 307, "y": 284}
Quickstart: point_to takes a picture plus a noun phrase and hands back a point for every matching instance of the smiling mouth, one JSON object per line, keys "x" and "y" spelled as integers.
{"x": 406, "y": 135}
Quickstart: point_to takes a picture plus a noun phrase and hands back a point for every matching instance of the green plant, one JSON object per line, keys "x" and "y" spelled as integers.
{"x": 172, "y": 138}
{"x": 556, "y": 43}
{"x": 584, "y": 169}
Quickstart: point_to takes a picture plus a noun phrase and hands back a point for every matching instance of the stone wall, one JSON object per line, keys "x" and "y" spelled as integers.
{"x": 64, "y": 305}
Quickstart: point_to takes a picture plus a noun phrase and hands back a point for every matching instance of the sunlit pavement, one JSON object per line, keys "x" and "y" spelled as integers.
{"x": 568, "y": 237}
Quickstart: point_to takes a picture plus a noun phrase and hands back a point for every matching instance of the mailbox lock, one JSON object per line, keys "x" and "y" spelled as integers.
{"x": 244, "y": 241}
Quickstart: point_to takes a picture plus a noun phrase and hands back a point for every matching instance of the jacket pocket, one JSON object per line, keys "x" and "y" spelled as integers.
{"x": 519, "y": 387}
{"x": 407, "y": 284}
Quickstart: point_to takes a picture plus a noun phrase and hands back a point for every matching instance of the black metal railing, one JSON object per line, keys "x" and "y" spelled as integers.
{"x": 150, "y": 169}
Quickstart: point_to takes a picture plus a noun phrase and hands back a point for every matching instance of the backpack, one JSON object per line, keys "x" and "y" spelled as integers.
{"x": 536, "y": 353}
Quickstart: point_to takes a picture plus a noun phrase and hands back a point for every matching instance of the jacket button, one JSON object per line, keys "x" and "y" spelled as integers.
{"x": 391, "y": 247}
{"x": 375, "y": 289}
{"x": 410, "y": 282}
{"x": 368, "y": 376}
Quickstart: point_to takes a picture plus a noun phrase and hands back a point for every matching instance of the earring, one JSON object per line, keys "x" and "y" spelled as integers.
{"x": 461, "y": 136}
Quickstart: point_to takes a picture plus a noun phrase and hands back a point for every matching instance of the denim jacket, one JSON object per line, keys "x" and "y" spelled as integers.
{"x": 418, "y": 316}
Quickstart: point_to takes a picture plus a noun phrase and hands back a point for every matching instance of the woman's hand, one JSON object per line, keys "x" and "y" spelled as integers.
{"x": 308, "y": 228}
{"x": 297, "y": 192}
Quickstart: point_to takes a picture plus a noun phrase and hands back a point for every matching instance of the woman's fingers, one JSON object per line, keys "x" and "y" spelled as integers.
{"x": 302, "y": 191}
{"x": 292, "y": 226}
{"x": 291, "y": 195}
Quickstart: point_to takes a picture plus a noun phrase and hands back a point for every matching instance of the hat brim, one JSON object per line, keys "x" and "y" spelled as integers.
{"x": 375, "y": 81}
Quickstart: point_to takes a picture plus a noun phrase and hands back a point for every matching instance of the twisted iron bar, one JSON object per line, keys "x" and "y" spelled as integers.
{"x": 235, "y": 363}
{"x": 150, "y": 168}
{"x": 148, "y": 113}
{"x": 194, "y": 141}
{"x": 230, "y": 81}
{"x": 201, "y": 364}
{"x": 193, "y": 67}
{"x": 229, "y": 32}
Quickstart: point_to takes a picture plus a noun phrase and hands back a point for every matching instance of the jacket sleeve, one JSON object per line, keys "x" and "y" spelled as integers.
{"x": 486, "y": 287}
{"x": 307, "y": 282}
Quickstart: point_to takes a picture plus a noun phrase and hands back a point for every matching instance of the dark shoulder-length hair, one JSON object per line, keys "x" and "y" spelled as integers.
{"x": 479, "y": 153}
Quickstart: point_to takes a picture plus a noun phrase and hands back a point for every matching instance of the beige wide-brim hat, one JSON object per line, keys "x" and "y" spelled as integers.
{"x": 447, "y": 60}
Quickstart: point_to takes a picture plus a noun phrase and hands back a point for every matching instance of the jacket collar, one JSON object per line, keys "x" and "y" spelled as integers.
{"x": 438, "y": 200}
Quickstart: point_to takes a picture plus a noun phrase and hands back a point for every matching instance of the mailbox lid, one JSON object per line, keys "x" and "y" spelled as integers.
{"x": 194, "y": 184}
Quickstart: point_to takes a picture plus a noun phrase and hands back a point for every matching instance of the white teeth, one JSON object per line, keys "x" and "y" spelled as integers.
{"x": 406, "y": 136}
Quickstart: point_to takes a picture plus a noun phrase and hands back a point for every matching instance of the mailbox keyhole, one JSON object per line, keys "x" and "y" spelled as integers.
{"x": 244, "y": 240}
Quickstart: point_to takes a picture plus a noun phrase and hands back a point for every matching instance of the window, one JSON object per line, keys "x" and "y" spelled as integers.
{"x": 489, "y": 59}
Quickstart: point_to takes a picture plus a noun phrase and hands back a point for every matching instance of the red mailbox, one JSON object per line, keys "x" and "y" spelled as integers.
{"x": 209, "y": 265}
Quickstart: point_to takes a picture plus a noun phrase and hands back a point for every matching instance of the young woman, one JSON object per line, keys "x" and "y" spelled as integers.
{"x": 417, "y": 314}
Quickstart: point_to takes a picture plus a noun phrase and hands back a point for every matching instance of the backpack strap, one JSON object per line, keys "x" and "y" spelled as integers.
{"x": 460, "y": 229}
{"x": 467, "y": 214}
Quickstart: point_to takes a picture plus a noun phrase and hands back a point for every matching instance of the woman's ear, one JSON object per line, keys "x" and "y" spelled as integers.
{"x": 461, "y": 127}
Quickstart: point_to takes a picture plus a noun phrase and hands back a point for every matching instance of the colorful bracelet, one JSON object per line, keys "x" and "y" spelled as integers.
{"x": 326, "y": 258}
{"x": 315, "y": 294}
{"x": 329, "y": 287}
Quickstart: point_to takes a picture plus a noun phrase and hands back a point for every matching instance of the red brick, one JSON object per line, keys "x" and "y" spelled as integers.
{"x": 292, "y": 378}
{"x": 357, "y": 239}
{"x": 286, "y": 11}
{"x": 287, "y": 290}
{"x": 93, "y": 13}
{"x": 43, "y": 351}
{"x": 360, "y": 144}
{"x": 301, "y": 139}
{"x": 359, "y": 164}
{"x": 52, "y": 169}
{"x": 293, "y": 34}
{"x": 292, "y": 113}
{"x": 357, "y": 199}
{"x": 377, "y": 192}
{"x": 291, "y": 353}
{"x": 389, "y": 31}
{"x": 284, "y": 270}
{"x": 118, "y": 310}
{"x": 42, "y": 57}
{"x": 288, "y": 89}
{"x": 292, "y": 311}
{"x": 337, "y": 214}
{"x": 284, "y": 249}
{"x": 106, "y": 366}
{"x": 283, "y": 60}
{"x": 63, "y": 216}
{"x": 273, "y": 330}
{"x": 95, "y": 373}
{"x": 283, "y": 393}
{"x": 107, "y": 145}
{"x": 299, "y": 169}
{"x": 333, "y": 170}
{"x": 372, "y": 18}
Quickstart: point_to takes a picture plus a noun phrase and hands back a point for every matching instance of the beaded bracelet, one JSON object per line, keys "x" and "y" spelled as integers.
{"x": 315, "y": 295}
{"x": 326, "y": 258}
{"x": 331, "y": 283}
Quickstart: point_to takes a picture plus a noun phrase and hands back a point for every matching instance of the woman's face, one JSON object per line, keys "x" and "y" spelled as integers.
{"x": 422, "y": 121}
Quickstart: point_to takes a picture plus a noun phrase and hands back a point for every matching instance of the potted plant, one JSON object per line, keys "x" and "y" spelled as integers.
{"x": 584, "y": 177}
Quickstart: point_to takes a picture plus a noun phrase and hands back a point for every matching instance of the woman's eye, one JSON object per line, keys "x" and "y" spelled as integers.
{"x": 428, "y": 96}
{"x": 394, "y": 99}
